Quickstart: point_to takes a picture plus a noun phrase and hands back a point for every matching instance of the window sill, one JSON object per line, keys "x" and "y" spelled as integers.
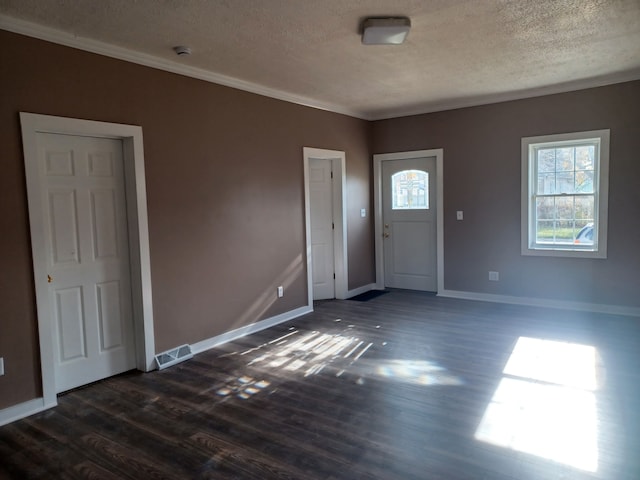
{"x": 561, "y": 252}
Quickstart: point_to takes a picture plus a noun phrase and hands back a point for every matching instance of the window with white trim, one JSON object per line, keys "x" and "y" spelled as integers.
{"x": 564, "y": 194}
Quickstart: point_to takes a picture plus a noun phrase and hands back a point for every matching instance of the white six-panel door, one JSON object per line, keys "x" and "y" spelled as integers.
{"x": 87, "y": 254}
{"x": 321, "y": 216}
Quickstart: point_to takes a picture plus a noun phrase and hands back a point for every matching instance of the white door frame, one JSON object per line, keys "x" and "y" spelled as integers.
{"x": 377, "y": 206}
{"x": 137, "y": 221}
{"x": 338, "y": 163}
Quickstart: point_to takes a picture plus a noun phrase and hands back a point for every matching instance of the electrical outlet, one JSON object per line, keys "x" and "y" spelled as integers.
{"x": 1, "y": 366}
{"x": 494, "y": 276}
{"x": 280, "y": 291}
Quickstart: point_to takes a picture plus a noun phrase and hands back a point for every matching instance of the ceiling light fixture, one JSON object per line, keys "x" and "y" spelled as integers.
{"x": 385, "y": 31}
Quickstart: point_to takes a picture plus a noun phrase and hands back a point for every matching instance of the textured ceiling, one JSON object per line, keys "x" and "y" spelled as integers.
{"x": 458, "y": 52}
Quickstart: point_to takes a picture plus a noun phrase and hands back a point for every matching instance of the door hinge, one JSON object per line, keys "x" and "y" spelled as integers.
{"x": 333, "y": 226}
{"x": 334, "y": 276}
{"x": 332, "y": 174}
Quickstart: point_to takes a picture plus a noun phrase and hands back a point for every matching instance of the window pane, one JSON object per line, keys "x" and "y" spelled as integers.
{"x": 585, "y": 157}
{"x": 410, "y": 190}
{"x": 564, "y": 159}
{"x": 547, "y": 160}
{"x": 545, "y": 208}
{"x": 546, "y": 183}
{"x": 545, "y": 211}
{"x": 565, "y": 231}
{"x": 584, "y": 181}
{"x": 545, "y": 231}
{"x": 585, "y": 209}
{"x": 564, "y": 208}
{"x": 585, "y": 235}
{"x": 565, "y": 224}
{"x": 565, "y": 182}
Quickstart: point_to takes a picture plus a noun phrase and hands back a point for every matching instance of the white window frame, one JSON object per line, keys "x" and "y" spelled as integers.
{"x": 601, "y": 189}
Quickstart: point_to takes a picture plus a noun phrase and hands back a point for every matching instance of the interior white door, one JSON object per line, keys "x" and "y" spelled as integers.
{"x": 86, "y": 235}
{"x": 409, "y": 223}
{"x": 321, "y": 216}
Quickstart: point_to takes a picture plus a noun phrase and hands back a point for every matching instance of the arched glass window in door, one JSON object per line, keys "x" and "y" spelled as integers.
{"x": 410, "y": 190}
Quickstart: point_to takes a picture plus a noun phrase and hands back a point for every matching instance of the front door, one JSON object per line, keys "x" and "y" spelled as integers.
{"x": 409, "y": 223}
{"x": 87, "y": 256}
{"x": 321, "y": 217}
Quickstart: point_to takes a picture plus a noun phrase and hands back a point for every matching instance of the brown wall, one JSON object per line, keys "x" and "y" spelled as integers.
{"x": 482, "y": 178}
{"x": 225, "y": 194}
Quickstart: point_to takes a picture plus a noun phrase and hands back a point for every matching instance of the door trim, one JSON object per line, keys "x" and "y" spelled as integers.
{"x": 137, "y": 221}
{"x": 338, "y": 163}
{"x": 377, "y": 208}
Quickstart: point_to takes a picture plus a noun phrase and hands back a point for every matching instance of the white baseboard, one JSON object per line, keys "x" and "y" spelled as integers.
{"x": 543, "y": 302}
{"x": 359, "y": 290}
{"x": 22, "y": 410}
{"x": 209, "y": 343}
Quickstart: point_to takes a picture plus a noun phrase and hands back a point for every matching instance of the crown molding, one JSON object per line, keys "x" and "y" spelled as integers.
{"x": 60, "y": 37}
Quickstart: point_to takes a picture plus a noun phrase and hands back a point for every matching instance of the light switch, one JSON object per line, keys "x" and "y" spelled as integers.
{"x": 459, "y": 215}
{"x": 363, "y": 212}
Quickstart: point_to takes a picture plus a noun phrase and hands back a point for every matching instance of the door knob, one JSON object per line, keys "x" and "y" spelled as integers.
{"x": 49, "y": 279}
{"x": 386, "y": 234}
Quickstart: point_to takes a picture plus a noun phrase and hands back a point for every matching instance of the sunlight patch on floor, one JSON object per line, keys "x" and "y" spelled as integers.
{"x": 243, "y": 387}
{"x": 338, "y": 351}
{"x": 545, "y": 404}
{"x": 561, "y": 363}
{"x": 419, "y": 372}
{"x": 312, "y": 352}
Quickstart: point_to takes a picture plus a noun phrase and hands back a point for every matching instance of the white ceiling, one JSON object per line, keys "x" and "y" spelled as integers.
{"x": 458, "y": 53}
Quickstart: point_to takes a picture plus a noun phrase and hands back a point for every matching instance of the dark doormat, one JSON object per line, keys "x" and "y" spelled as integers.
{"x": 366, "y": 296}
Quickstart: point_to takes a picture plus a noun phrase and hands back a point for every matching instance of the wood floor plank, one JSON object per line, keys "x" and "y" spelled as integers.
{"x": 392, "y": 388}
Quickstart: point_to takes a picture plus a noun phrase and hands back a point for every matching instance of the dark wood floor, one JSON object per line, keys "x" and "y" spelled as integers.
{"x": 392, "y": 388}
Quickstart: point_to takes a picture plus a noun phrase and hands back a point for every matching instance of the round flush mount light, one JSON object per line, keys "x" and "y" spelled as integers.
{"x": 182, "y": 51}
{"x": 385, "y": 31}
